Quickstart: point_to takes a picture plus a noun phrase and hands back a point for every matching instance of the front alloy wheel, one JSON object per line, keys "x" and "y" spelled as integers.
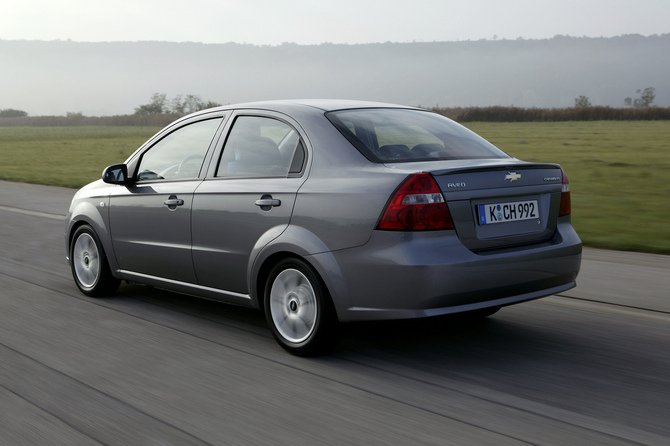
{"x": 298, "y": 309}
{"x": 90, "y": 269}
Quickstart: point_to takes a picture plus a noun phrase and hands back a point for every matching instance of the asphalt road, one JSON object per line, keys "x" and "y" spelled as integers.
{"x": 147, "y": 367}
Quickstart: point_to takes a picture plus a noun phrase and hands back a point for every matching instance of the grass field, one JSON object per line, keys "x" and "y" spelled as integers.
{"x": 66, "y": 156}
{"x": 617, "y": 169}
{"x": 618, "y": 172}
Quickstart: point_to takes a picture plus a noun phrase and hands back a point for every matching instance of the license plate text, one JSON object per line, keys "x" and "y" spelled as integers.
{"x": 504, "y": 212}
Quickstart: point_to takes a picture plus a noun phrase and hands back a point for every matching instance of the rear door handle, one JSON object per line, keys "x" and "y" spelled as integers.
{"x": 267, "y": 202}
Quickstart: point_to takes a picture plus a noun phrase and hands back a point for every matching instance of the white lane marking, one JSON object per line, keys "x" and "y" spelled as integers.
{"x": 607, "y": 308}
{"x": 33, "y": 213}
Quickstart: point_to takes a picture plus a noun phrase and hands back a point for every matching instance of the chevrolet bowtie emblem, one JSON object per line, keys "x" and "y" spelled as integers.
{"x": 512, "y": 176}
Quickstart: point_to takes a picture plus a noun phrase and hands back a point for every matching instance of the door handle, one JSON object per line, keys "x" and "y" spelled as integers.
{"x": 173, "y": 202}
{"x": 267, "y": 202}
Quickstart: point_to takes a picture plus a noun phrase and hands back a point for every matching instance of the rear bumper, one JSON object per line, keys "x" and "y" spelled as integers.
{"x": 412, "y": 275}
{"x": 369, "y": 314}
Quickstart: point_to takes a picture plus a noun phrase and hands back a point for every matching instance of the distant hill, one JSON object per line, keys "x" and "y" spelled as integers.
{"x": 56, "y": 77}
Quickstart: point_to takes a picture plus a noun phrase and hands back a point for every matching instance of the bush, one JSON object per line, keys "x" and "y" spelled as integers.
{"x": 11, "y": 113}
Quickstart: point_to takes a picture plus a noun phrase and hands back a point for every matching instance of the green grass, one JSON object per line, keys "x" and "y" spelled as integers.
{"x": 65, "y": 156}
{"x": 618, "y": 172}
{"x": 617, "y": 169}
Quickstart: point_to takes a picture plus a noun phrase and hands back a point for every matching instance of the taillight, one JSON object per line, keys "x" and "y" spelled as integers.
{"x": 417, "y": 205}
{"x": 565, "y": 196}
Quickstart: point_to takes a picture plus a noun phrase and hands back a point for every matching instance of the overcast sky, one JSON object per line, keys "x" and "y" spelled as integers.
{"x": 273, "y": 22}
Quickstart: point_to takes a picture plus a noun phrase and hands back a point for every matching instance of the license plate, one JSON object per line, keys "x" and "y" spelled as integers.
{"x": 504, "y": 212}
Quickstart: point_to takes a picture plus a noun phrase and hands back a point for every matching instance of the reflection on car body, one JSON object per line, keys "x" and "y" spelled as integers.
{"x": 326, "y": 212}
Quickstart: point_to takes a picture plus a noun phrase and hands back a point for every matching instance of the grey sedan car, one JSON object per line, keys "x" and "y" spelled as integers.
{"x": 324, "y": 212}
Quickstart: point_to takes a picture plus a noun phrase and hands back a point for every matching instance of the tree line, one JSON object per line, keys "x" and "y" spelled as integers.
{"x": 179, "y": 105}
{"x": 518, "y": 114}
{"x": 157, "y": 110}
{"x": 160, "y": 111}
{"x": 646, "y": 99}
{"x": 78, "y": 119}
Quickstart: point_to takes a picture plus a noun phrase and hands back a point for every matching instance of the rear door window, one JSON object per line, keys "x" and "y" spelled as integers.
{"x": 261, "y": 147}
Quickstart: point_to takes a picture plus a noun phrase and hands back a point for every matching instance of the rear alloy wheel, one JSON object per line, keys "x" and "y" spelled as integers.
{"x": 90, "y": 268}
{"x": 298, "y": 309}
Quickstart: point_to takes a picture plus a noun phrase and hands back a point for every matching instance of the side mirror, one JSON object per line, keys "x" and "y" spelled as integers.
{"x": 116, "y": 174}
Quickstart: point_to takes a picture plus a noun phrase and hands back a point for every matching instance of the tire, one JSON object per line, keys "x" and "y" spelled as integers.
{"x": 89, "y": 264}
{"x": 298, "y": 309}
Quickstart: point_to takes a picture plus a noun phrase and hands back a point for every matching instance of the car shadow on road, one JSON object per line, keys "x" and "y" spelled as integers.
{"x": 430, "y": 336}
{"x": 489, "y": 348}
{"x": 181, "y": 305}
{"x": 454, "y": 338}
{"x": 451, "y": 340}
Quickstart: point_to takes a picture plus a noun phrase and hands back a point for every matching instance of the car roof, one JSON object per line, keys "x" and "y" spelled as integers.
{"x": 321, "y": 104}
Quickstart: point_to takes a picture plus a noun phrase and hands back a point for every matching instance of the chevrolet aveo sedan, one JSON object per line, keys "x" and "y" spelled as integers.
{"x": 326, "y": 212}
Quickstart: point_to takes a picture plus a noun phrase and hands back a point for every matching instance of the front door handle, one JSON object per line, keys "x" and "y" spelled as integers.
{"x": 173, "y": 202}
{"x": 267, "y": 202}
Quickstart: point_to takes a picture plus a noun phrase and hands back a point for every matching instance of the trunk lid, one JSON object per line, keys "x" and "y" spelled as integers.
{"x": 502, "y": 204}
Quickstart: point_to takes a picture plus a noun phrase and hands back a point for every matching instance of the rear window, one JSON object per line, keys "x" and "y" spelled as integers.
{"x": 398, "y": 135}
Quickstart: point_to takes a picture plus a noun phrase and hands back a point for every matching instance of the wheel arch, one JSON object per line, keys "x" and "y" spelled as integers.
{"x": 300, "y": 243}
{"x": 88, "y": 214}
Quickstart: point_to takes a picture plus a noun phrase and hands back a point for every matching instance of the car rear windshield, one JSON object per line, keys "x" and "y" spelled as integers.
{"x": 403, "y": 135}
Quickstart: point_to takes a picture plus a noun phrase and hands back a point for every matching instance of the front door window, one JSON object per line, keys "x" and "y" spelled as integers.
{"x": 180, "y": 154}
